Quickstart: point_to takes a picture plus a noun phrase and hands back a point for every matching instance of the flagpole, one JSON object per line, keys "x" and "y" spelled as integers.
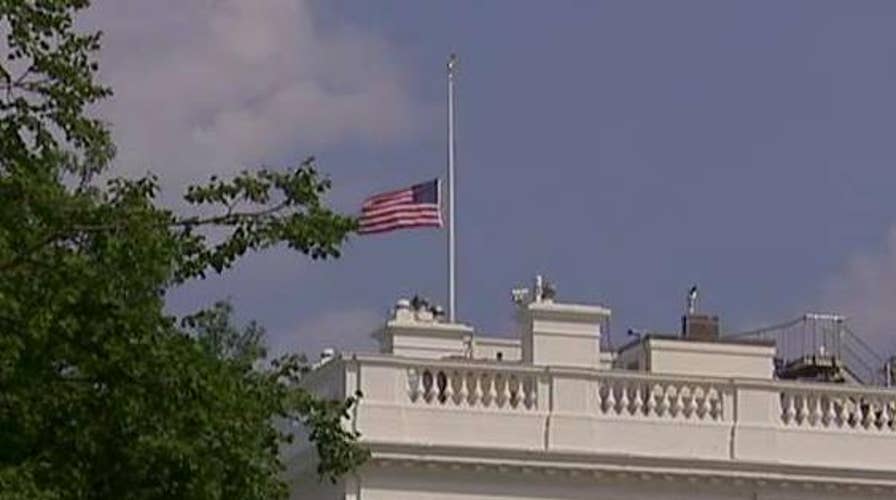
{"x": 452, "y": 307}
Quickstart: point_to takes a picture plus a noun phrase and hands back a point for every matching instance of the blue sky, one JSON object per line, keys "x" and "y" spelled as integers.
{"x": 625, "y": 149}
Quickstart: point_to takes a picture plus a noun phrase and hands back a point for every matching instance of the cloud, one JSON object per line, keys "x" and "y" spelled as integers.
{"x": 217, "y": 85}
{"x": 344, "y": 330}
{"x": 865, "y": 291}
{"x": 214, "y": 86}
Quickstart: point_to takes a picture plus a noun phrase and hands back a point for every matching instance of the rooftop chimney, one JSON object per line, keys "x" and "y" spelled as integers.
{"x": 701, "y": 327}
{"x": 694, "y": 326}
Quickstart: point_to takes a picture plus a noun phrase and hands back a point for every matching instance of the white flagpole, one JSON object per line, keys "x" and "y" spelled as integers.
{"x": 452, "y": 307}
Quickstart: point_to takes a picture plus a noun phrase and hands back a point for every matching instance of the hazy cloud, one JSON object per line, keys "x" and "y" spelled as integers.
{"x": 217, "y": 85}
{"x": 347, "y": 329}
{"x": 865, "y": 291}
{"x": 214, "y": 86}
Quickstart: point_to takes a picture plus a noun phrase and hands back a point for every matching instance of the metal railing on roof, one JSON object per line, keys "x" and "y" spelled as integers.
{"x": 823, "y": 345}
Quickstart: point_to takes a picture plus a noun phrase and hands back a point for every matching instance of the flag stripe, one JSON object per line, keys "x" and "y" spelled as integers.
{"x": 390, "y": 202}
{"x": 379, "y": 212}
{"x": 405, "y": 213}
{"x": 400, "y": 218}
{"x": 416, "y": 206}
{"x": 394, "y": 220}
{"x": 379, "y": 198}
{"x": 390, "y": 194}
{"x": 406, "y": 223}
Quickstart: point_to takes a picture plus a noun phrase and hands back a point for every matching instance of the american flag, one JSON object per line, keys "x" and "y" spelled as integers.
{"x": 416, "y": 206}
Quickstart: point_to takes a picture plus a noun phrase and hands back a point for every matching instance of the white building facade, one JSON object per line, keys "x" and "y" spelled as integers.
{"x": 449, "y": 415}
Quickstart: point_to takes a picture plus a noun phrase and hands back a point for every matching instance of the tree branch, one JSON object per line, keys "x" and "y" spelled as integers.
{"x": 78, "y": 229}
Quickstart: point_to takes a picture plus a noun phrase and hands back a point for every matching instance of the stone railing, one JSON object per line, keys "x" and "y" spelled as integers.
{"x": 459, "y": 403}
{"x": 837, "y": 407}
{"x": 514, "y": 387}
{"x": 638, "y": 395}
{"x": 472, "y": 387}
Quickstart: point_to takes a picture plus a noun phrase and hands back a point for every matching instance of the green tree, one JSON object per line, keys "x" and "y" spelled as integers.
{"x": 103, "y": 394}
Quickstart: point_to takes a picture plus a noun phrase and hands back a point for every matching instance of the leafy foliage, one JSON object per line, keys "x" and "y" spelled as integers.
{"x": 102, "y": 394}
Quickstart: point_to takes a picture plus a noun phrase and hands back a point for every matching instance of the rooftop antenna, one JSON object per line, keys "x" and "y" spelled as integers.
{"x": 542, "y": 290}
{"x": 692, "y": 300}
{"x": 538, "y": 288}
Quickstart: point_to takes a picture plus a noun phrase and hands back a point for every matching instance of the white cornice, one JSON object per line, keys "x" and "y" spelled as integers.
{"x": 606, "y": 467}
{"x": 581, "y": 311}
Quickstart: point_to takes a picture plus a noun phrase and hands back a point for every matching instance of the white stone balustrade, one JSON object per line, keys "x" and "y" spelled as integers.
{"x": 642, "y": 396}
{"x": 472, "y": 387}
{"x": 833, "y": 408}
{"x": 514, "y": 406}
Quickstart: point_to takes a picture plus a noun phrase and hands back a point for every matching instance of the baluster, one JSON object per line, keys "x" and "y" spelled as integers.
{"x": 497, "y": 391}
{"x": 529, "y": 391}
{"x": 476, "y": 393}
{"x": 867, "y": 414}
{"x": 663, "y": 407}
{"x": 485, "y": 379}
{"x": 830, "y": 416}
{"x": 447, "y": 396}
{"x": 451, "y": 387}
{"x": 623, "y": 404}
{"x": 506, "y": 395}
{"x": 803, "y": 414}
{"x": 485, "y": 389}
{"x": 610, "y": 399}
{"x": 651, "y": 400}
{"x": 697, "y": 397}
{"x": 514, "y": 385}
{"x": 500, "y": 385}
{"x": 816, "y": 414}
{"x": 842, "y": 411}
{"x": 637, "y": 403}
{"x": 493, "y": 390}
{"x": 880, "y": 414}
{"x": 790, "y": 408}
{"x": 886, "y": 417}
{"x": 856, "y": 416}
{"x": 463, "y": 393}
{"x": 871, "y": 414}
{"x": 706, "y": 403}
{"x": 677, "y": 403}
{"x": 690, "y": 408}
